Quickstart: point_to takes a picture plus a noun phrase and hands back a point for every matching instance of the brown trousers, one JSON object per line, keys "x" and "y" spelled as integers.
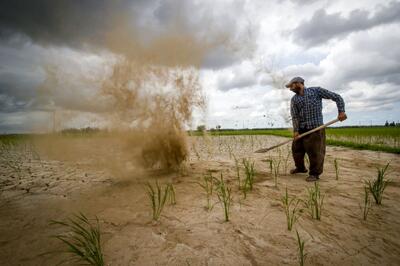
{"x": 314, "y": 146}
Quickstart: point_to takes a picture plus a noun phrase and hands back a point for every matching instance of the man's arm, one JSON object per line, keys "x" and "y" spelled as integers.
{"x": 295, "y": 118}
{"x": 336, "y": 98}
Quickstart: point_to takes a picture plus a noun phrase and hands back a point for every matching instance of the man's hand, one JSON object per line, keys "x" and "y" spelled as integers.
{"x": 295, "y": 135}
{"x": 342, "y": 116}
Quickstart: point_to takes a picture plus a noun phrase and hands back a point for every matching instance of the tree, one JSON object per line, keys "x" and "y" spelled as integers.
{"x": 201, "y": 128}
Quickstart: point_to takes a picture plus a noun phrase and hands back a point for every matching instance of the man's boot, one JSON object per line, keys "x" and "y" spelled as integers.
{"x": 296, "y": 171}
{"x": 312, "y": 178}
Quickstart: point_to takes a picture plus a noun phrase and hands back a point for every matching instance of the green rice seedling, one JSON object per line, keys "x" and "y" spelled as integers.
{"x": 224, "y": 197}
{"x": 302, "y": 255}
{"x": 83, "y": 240}
{"x": 365, "y": 208}
{"x": 276, "y": 164}
{"x": 237, "y": 168}
{"x": 249, "y": 176}
{"x": 336, "y": 165}
{"x": 315, "y": 201}
{"x": 292, "y": 211}
{"x": 171, "y": 194}
{"x": 377, "y": 186}
{"x": 250, "y": 173}
{"x": 208, "y": 186}
{"x": 158, "y": 197}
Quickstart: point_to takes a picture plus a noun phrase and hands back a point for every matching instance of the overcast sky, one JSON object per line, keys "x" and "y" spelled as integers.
{"x": 349, "y": 47}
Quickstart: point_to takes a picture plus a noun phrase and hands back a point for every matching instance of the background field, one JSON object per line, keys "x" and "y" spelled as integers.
{"x": 363, "y": 138}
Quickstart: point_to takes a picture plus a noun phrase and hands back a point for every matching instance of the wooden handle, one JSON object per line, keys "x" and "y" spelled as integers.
{"x": 318, "y": 128}
{"x": 300, "y": 136}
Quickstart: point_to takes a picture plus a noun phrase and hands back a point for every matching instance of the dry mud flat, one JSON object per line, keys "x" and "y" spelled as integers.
{"x": 189, "y": 235}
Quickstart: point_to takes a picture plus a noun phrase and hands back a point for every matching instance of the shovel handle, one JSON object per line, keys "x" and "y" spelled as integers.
{"x": 318, "y": 128}
{"x": 300, "y": 136}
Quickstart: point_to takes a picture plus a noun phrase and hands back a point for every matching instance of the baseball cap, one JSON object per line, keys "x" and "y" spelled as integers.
{"x": 293, "y": 80}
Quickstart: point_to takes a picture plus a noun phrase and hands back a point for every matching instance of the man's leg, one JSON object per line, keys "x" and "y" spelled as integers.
{"x": 314, "y": 145}
{"x": 298, "y": 153}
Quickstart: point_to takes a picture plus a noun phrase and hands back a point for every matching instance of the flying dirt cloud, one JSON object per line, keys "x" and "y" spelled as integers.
{"x": 148, "y": 83}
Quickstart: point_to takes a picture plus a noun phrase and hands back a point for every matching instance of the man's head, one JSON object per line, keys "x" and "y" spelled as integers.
{"x": 296, "y": 84}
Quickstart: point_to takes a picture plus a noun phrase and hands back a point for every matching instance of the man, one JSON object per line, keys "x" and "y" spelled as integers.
{"x": 306, "y": 112}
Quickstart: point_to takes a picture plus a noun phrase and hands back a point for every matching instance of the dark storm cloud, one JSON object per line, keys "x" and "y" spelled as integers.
{"x": 322, "y": 26}
{"x": 87, "y": 24}
{"x": 15, "y": 92}
{"x": 61, "y": 22}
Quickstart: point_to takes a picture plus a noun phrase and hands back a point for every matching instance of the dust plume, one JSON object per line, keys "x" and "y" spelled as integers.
{"x": 146, "y": 84}
{"x": 153, "y": 105}
{"x": 146, "y": 96}
{"x": 152, "y": 89}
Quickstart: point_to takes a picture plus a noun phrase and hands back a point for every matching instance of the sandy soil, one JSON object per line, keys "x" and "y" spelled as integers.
{"x": 48, "y": 188}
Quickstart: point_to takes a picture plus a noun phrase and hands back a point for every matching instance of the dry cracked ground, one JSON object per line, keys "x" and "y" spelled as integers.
{"x": 37, "y": 187}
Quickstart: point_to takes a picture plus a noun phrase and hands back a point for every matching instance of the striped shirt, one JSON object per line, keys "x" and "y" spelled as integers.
{"x": 306, "y": 110}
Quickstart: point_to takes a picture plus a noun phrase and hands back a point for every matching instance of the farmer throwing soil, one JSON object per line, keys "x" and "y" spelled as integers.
{"x": 306, "y": 112}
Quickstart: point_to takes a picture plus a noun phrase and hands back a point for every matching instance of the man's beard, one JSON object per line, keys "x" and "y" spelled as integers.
{"x": 296, "y": 90}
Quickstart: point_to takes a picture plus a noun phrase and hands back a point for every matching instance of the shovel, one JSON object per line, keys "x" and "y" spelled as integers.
{"x": 300, "y": 136}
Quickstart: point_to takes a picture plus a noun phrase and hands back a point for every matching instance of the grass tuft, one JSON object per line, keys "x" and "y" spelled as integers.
{"x": 83, "y": 240}
{"x": 208, "y": 186}
{"x": 171, "y": 194}
{"x": 276, "y": 164}
{"x": 158, "y": 197}
{"x": 314, "y": 201}
{"x": 366, "y": 204}
{"x": 377, "y": 186}
{"x": 237, "y": 168}
{"x": 224, "y": 197}
{"x": 249, "y": 176}
{"x": 292, "y": 211}
{"x": 302, "y": 255}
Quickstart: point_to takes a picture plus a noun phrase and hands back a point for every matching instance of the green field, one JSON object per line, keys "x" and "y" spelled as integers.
{"x": 385, "y": 139}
